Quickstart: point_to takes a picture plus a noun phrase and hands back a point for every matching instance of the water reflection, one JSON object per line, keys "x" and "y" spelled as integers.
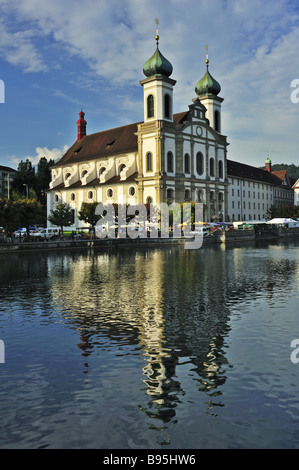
{"x": 169, "y": 310}
{"x": 173, "y": 306}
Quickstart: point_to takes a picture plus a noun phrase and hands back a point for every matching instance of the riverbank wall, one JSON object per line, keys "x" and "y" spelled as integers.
{"x": 230, "y": 236}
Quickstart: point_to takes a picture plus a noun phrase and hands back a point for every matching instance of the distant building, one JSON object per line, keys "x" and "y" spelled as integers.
{"x": 6, "y": 178}
{"x": 252, "y": 191}
{"x": 296, "y": 192}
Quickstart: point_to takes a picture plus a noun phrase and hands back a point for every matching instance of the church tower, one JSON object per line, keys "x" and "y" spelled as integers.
{"x": 81, "y": 126}
{"x": 158, "y": 115}
{"x": 158, "y": 87}
{"x": 207, "y": 90}
{"x": 268, "y": 164}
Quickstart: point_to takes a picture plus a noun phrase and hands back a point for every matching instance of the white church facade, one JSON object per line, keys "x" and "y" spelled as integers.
{"x": 165, "y": 158}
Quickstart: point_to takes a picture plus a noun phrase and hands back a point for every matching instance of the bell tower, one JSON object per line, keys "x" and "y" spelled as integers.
{"x": 158, "y": 87}
{"x": 207, "y": 90}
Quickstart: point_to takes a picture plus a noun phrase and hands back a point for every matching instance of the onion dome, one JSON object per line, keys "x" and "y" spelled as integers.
{"x": 157, "y": 64}
{"x": 268, "y": 160}
{"x": 207, "y": 85}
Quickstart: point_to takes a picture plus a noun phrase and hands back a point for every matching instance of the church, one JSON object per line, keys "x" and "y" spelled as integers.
{"x": 165, "y": 158}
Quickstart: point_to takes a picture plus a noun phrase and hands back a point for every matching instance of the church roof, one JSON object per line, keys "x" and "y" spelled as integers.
{"x": 108, "y": 143}
{"x": 102, "y": 144}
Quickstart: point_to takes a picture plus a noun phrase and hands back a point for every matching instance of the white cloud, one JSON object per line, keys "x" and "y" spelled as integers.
{"x": 50, "y": 154}
{"x": 252, "y": 51}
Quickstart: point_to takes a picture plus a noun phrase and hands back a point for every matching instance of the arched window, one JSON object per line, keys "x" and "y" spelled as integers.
{"x": 169, "y": 162}
{"x": 212, "y": 170}
{"x": 199, "y": 163}
{"x": 187, "y": 163}
{"x": 90, "y": 194}
{"x": 109, "y": 192}
{"x": 73, "y": 196}
{"x": 199, "y": 196}
{"x": 217, "y": 121}
{"x": 149, "y": 200}
{"x": 167, "y": 106}
{"x": 150, "y": 106}
{"x": 149, "y": 162}
{"x": 220, "y": 169}
{"x": 169, "y": 193}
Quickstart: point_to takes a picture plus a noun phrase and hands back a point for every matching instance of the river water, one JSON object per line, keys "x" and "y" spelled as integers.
{"x": 150, "y": 348}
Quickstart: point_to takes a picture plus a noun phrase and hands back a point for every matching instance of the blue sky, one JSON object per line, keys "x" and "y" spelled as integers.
{"x": 58, "y": 56}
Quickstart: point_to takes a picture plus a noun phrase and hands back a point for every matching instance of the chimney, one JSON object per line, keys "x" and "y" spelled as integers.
{"x": 81, "y": 125}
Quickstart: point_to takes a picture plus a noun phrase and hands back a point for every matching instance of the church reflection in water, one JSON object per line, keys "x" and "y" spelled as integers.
{"x": 171, "y": 306}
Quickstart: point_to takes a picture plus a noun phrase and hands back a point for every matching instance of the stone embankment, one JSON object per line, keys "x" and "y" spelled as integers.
{"x": 218, "y": 237}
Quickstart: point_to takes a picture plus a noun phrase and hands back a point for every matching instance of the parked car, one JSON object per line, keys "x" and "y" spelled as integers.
{"x": 45, "y": 233}
{"x": 21, "y": 232}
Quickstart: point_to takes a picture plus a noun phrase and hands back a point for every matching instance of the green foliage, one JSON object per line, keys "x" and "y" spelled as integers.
{"x": 287, "y": 211}
{"x": 62, "y": 215}
{"x": 34, "y": 184}
{"x": 21, "y": 213}
{"x": 24, "y": 177}
{"x": 292, "y": 169}
{"x": 87, "y": 213}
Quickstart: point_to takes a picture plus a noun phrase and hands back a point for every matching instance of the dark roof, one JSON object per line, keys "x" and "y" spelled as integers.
{"x": 107, "y": 143}
{"x": 102, "y": 144}
{"x": 241, "y": 170}
{"x": 6, "y": 168}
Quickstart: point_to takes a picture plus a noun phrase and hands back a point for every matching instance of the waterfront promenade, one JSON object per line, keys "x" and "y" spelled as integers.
{"x": 217, "y": 237}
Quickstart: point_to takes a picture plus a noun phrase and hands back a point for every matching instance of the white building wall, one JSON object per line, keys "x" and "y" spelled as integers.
{"x": 248, "y": 199}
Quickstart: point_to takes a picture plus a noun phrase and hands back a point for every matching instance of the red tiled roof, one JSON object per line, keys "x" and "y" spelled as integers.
{"x": 281, "y": 174}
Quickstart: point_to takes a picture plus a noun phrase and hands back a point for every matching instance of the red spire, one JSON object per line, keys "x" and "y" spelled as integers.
{"x": 81, "y": 125}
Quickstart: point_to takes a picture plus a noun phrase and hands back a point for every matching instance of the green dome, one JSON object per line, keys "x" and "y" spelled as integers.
{"x": 268, "y": 160}
{"x": 207, "y": 85}
{"x": 157, "y": 65}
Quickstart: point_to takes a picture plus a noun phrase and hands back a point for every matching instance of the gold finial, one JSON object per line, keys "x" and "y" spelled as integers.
{"x": 157, "y": 34}
{"x": 207, "y": 56}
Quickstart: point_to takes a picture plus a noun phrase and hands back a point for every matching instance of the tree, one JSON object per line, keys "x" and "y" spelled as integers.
{"x": 87, "y": 213}
{"x": 27, "y": 212}
{"x": 286, "y": 211}
{"x": 21, "y": 213}
{"x": 43, "y": 178}
{"x": 62, "y": 216}
{"x": 24, "y": 178}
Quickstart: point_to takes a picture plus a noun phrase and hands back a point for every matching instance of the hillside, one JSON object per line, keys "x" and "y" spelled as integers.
{"x": 292, "y": 169}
